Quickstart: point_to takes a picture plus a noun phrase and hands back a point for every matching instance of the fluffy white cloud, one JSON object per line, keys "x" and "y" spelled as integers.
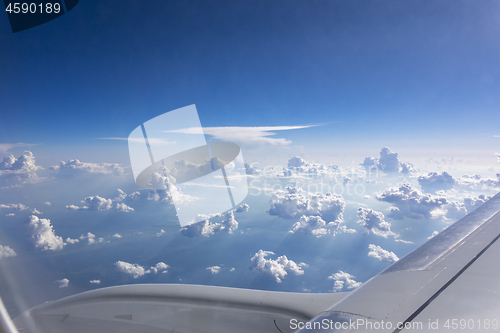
{"x": 74, "y": 168}
{"x": 343, "y": 279}
{"x": 434, "y": 182}
{"x": 242, "y": 208}
{"x": 71, "y": 241}
{"x": 388, "y": 162}
{"x": 278, "y": 268}
{"x": 374, "y": 222}
{"x": 91, "y": 238}
{"x": 95, "y": 281}
{"x": 292, "y": 203}
{"x": 207, "y": 228}
{"x": 117, "y": 236}
{"x": 410, "y": 202}
{"x": 473, "y": 203}
{"x": 121, "y": 207}
{"x": 20, "y": 169}
{"x": 383, "y": 255}
{"x": 160, "y": 267}
{"x": 42, "y": 234}
{"x": 133, "y": 269}
{"x": 6, "y": 252}
{"x": 214, "y": 269}
{"x": 315, "y": 225}
{"x": 475, "y": 182}
{"x": 63, "y": 283}
{"x": 434, "y": 233}
{"x": 98, "y": 203}
{"x": 137, "y": 270}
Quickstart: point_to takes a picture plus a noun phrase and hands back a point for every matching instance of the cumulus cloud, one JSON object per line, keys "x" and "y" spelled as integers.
{"x": 475, "y": 182}
{"x": 410, "y": 202}
{"x": 388, "y": 162}
{"x": 95, "y": 281}
{"x": 20, "y": 169}
{"x": 343, "y": 279}
{"x": 293, "y": 203}
{"x": 214, "y": 269}
{"x": 117, "y": 236}
{"x": 434, "y": 233}
{"x": 71, "y": 241}
{"x": 374, "y": 222}
{"x": 42, "y": 234}
{"x": 434, "y": 182}
{"x": 133, "y": 269}
{"x": 6, "y": 252}
{"x": 63, "y": 283}
{"x": 121, "y": 207}
{"x": 137, "y": 270}
{"x": 160, "y": 267}
{"x": 472, "y": 203}
{"x": 91, "y": 238}
{"x": 74, "y": 168}
{"x": 315, "y": 225}
{"x": 278, "y": 268}
{"x": 207, "y": 228}
{"x": 242, "y": 208}
{"x": 383, "y": 255}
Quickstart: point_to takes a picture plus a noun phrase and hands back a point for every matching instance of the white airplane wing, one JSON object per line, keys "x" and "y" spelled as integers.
{"x": 449, "y": 284}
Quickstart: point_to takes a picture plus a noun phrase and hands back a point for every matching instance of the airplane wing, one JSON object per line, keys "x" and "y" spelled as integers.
{"x": 451, "y": 283}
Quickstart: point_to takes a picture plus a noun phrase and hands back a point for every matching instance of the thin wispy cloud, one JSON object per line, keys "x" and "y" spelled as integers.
{"x": 249, "y": 136}
{"x": 4, "y": 147}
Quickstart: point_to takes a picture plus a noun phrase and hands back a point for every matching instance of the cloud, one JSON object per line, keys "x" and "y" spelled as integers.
{"x": 373, "y": 221}
{"x": 46, "y": 203}
{"x": 388, "y": 162}
{"x": 278, "y": 268}
{"x": 292, "y": 203}
{"x": 71, "y": 241}
{"x": 343, "y": 279}
{"x": 383, "y": 255}
{"x": 242, "y": 208}
{"x": 410, "y": 202}
{"x": 42, "y": 234}
{"x": 137, "y": 270}
{"x": 4, "y": 147}
{"x": 207, "y": 228}
{"x": 434, "y": 182}
{"x": 160, "y": 267}
{"x": 434, "y": 233}
{"x": 95, "y": 281}
{"x": 248, "y": 136}
{"x": 21, "y": 169}
{"x": 315, "y": 225}
{"x": 91, "y": 238}
{"x": 498, "y": 155}
{"x": 117, "y": 236}
{"x": 63, "y": 283}
{"x": 6, "y": 252}
{"x": 19, "y": 207}
{"x": 133, "y": 269}
{"x": 475, "y": 182}
{"x": 74, "y": 168}
{"x": 473, "y": 203}
{"x": 121, "y": 207}
{"x": 214, "y": 269}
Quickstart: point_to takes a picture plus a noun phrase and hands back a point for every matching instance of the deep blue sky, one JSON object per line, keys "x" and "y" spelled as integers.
{"x": 387, "y": 71}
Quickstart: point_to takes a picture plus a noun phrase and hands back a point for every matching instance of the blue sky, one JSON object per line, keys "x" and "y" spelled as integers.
{"x": 381, "y": 71}
{"x": 419, "y": 77}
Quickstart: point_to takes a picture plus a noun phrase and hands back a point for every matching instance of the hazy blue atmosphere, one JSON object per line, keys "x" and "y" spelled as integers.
{"x": 367, "y": 126}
